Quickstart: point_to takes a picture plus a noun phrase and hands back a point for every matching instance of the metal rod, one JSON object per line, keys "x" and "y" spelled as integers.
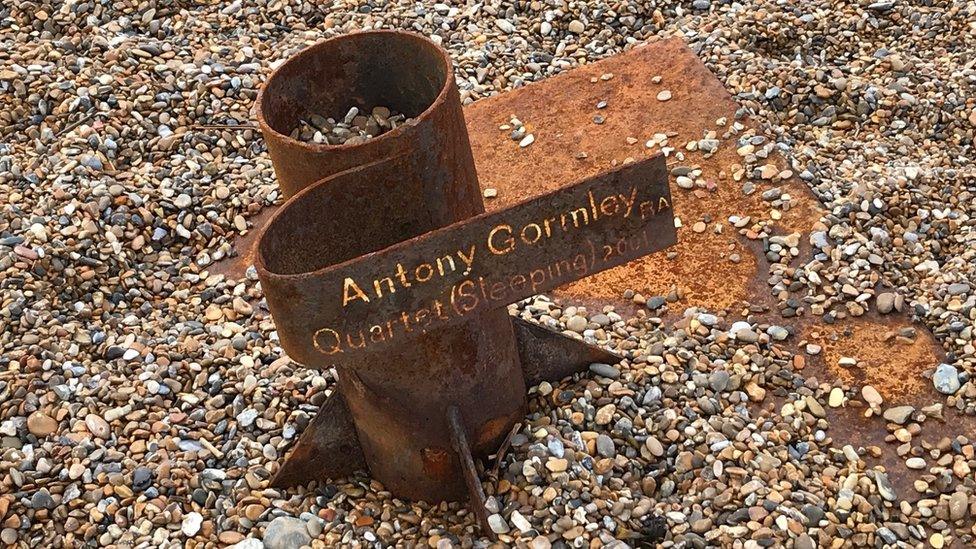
{"x": 476, "y": 494}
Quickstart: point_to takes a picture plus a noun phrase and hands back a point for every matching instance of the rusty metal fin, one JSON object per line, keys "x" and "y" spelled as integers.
{"x": 548, "y": 355}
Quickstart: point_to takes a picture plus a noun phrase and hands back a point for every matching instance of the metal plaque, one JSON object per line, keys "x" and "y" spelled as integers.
{"x": 488, "y": 261}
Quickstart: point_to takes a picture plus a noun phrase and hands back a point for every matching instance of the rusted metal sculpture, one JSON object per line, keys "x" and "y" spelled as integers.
{"x": 431, "y": 368}
{"x": 414, "y": 179}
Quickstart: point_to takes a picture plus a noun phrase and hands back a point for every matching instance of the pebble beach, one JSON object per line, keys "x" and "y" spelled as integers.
{"x": 145, "y": 400}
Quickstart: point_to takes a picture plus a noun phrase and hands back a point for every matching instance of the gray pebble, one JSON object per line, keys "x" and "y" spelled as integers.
{"x": 946, "y": 379}
{"x": 286, "y": 533}
{"x": 605, "y": 370}
{"x": 899, "y": 414}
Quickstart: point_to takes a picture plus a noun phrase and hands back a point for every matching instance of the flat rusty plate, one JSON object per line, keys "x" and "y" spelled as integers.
{"x": 560, "y": 113}
{"x": 447, "y": 275}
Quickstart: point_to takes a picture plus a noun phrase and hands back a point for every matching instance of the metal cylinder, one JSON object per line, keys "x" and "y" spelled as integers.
{"x": 362, "y": 198}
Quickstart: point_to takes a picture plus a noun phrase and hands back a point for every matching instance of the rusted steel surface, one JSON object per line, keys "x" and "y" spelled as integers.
{"x": 329, "y": 446}
{"x": 403, "y": 183}
{"x": 331, "y": 306}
